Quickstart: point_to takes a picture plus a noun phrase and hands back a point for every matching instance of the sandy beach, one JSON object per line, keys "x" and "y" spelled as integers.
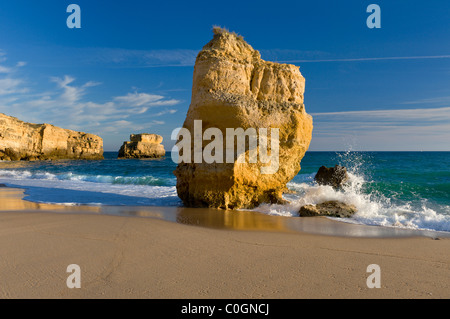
{"x": 136, "y": 257}
{"x": 192, "y": 153}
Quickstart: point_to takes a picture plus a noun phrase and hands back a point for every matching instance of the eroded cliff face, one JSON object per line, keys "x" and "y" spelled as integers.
{"x": 25, "y": 141}
{"x": 234, "y": 88}
{"x": 143, "y": 146}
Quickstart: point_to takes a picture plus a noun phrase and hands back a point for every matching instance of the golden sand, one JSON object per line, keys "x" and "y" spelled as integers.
{"x": 135, "y": 257}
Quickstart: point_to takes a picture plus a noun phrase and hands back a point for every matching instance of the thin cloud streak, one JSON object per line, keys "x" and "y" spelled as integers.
{"x": 129, "y": 58}
{"x": 371, "y": 59}
{"x": 420, "y": 113}
{"x": 125, "y": 58}
{"x": 394, "y": 129}
{"x": 436, "y": 100}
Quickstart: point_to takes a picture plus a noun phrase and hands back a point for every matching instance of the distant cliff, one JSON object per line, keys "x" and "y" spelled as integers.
{"x": 26, "y": 141}
{"x": 143, "y": 146}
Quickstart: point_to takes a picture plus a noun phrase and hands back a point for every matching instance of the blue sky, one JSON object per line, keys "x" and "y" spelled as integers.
{"x": 129, "y": 68}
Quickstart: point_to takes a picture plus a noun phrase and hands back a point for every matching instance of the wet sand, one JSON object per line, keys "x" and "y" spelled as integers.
{"x": 124, "y": 254}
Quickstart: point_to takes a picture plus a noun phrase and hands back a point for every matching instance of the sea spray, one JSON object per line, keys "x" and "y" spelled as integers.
{"x": 402, "y": 209}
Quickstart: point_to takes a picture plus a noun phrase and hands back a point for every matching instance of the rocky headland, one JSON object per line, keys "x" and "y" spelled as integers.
{"x": 26, "y": 141}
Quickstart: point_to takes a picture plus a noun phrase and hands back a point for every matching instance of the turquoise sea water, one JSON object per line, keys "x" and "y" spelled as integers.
{"x": 398, "y": 189}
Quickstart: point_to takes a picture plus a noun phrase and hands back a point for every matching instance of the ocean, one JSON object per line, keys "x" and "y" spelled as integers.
{"x": 395, "y": 189}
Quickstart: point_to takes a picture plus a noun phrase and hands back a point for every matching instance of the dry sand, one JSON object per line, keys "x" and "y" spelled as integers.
{"x": 135, "y": 257}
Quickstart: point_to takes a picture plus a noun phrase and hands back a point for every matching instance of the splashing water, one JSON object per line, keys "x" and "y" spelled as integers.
{"x": 394, "y": 202}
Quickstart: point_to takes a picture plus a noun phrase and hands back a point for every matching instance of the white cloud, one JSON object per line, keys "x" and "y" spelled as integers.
{"x": 442, "y": 100}
{"x": 400, "y": 115}
{"x": 372, "y": 59}
{"x": 395, "y": 129}
{"x": 2, "y": 55}
{"x": 71, "y": 94}
{"x": 122, "y": 123}
{"x": 166, "y": 103}
{"x": 11, "y": 86}
{"x": 9, "y": 69}
{"x": 141, "y": 58}
{"x": 138, "y": 99}
{"x": 66, "y": 106}
{"x": 4, "y": 69}
{"x": 172, "y": 111}
{"x": 144, "y": 99}
{"x": 91, "y": 84}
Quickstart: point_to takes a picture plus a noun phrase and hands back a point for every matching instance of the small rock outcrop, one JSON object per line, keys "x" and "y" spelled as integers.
{"x": 26, "y": 141}
{"x": 233, "y": 88}
{"x": 143, "y": 146}
{"x": 329, "y": 209}
{"x": 334, "y": 176}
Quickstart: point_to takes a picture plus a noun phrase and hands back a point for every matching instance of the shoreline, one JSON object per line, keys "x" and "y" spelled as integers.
{"x": 123, "y": 257}
{"x": 13, "y": 199}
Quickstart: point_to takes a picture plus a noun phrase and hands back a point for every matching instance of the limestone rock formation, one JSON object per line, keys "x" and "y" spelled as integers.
{"x": 329, "y": 208}
{"x": 234, "y": 88}
{"x": 25, "y": 141}
{"x": 334, "y": 176}
{"x": 143, "y": 146}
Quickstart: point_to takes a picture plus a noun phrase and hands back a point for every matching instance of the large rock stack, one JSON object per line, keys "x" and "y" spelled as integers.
{"x": 234, "y": 88}
{"x": 143, "y": 146}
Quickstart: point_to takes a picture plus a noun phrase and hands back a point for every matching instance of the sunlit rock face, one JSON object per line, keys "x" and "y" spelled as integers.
{"x": 143, "y": 146}
{"x": 26, "y": 141}
{"x": 234, "y": 88}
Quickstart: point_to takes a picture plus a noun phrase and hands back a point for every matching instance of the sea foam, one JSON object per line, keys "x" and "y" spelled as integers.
{"x": 372, "y": 208}
{"x": 75, "y": 189}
